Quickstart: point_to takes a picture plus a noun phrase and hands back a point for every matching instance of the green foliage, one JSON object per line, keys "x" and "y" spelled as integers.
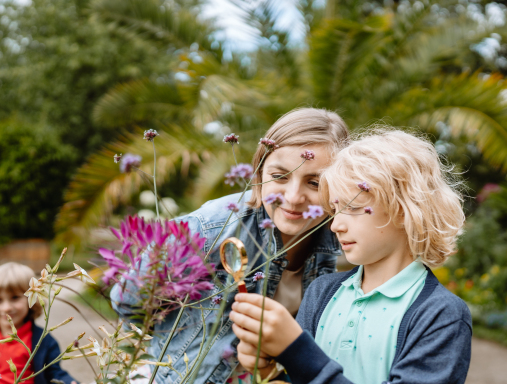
{"x": 34, "y": 167}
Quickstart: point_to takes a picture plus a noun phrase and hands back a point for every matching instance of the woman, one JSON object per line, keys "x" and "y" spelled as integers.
{"x": 316, "y": 130}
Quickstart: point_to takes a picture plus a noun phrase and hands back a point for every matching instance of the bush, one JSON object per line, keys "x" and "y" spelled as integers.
{"x": 34, "y": 169}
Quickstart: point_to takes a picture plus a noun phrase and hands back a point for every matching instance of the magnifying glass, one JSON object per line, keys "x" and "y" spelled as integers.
{"x": 234, "y": 259}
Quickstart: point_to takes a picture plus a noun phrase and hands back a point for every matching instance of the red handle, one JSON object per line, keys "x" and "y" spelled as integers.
{"x": 242, "y": 287}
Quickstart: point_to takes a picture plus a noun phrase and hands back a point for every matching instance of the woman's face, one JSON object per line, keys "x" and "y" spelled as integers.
{"x": 300, "y": 188}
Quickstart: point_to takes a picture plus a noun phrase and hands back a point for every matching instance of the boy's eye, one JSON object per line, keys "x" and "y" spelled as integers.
{"x": 314, "y": 183}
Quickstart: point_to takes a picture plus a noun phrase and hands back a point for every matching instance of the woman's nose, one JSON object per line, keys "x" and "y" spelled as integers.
{"x": 293, "y": 194}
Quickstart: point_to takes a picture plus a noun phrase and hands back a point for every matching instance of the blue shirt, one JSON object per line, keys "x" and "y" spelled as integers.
{"x": 360, "y": 331}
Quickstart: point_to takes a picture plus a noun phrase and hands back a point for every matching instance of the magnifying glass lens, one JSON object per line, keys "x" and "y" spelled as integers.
{"x": 233, "y": 257}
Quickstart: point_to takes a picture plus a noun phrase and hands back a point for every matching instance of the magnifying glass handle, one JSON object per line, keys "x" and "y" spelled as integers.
{"x": 242, "y": 287}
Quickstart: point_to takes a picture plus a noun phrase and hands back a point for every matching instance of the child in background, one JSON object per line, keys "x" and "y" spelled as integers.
{"x": 14, "y": 279}
{"x": 388, "y": 320}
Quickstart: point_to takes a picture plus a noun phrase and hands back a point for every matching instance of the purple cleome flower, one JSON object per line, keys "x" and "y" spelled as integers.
{"x": 232, "y": 207}
{"x": 258, "y": 276}
{"x": 128, "y": 161}
{"x": 117, "y": 158}
{"x": 308, "y": 155}
{"x": 364, "y": 186}
{"x": 267, "y": 224}
{"x": 232, "y": 138}
{"x": 150, "y": 134}
{"x": 217, "y": 299}
{"x": 368, "y": 210}
{"x": 238, "y": 172}
{"x": 313, "y": 212}
{"x": 269, "y": 144}
{"x": 275, "y": 199}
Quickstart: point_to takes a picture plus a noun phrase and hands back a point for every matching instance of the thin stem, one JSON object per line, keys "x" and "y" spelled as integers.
{"x": 264, "y": 291}
{"x": 279, "y": 177}
{"x": 154, "y": 177}
{"x": 22, "y": 343}
{"x": 147, "y": 174}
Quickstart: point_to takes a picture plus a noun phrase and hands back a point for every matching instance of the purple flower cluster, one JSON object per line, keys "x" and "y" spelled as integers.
{"x": 258, "y": 276}
{"x": 308, "y": 155}
{"x": 171, "y": 269}
{"x": 128, "y": 161}
{"x": 238, "y": 172}
{"x": 267, "y": 224}
{"x": 269, "y": 144}
{"x": 232, "y": 138}
{"x": 117, "y": 158}
{"x": 232, "y": 207}
{"x": 275, "y": 199}
{"x": 313, "y": 212}
{"x": 364, "y": 186}
{"x": 150, "y": 134}
{"x": 368, "y": 210}
{"x": 217, "y": 299}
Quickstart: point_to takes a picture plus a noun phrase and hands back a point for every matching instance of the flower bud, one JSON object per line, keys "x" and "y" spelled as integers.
{"x": 48, "y": 268}
{"x": 12, "y": 367}
{"x": 66, "y": 321}
{"x": 13, "y": 328}
{"x": 58, "y": 290}
{"x": 169, "y": 360}
{"x": 7, "y": 340}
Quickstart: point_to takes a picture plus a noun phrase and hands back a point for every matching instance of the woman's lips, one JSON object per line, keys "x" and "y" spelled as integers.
{"x": 347, "y": 246}
{"x": 291, "y": 215}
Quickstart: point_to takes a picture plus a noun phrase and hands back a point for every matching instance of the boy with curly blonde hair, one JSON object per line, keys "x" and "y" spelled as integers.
{"x": 388, "y": 320}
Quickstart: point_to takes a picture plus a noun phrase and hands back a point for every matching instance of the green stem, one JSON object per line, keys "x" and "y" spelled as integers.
{"x": 22, "y": 343}
{"x": 147, "y": 174}
{"x": 264, "y": 291}
{"x": 155, "y": 177}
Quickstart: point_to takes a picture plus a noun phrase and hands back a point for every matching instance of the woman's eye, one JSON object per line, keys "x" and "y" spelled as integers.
{"x": 278, "y": 176}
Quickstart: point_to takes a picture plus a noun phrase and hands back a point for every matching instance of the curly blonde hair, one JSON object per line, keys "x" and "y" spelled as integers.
{"x": 408, "y": 179}
{"x": 15, "y": 279}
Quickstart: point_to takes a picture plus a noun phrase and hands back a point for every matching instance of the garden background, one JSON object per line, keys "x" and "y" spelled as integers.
{"x": 80, "y": 80}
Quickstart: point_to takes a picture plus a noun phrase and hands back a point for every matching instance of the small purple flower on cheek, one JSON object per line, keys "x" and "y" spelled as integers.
{"x": 129, "y": 161}
{"x": 217, "y": 299}
{"x": 313, "y": 212}
{"x": 232, "y": 207}
{"x": 150, "y": 134}
{"x": 275, "y": 199}
{"x": 267, "y": 224}
{"x": 232, "y": 138}
{"x": 258, "y": 276}
{"x": 364, "y": 186}
{"x": 308, "y": 155}
{"x": 368, "y": 210}
{"x": 117, "y": 158}
{"x": 269, "y": 144}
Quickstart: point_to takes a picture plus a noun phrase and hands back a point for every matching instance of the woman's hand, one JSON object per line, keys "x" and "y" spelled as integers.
{"x": 279, "y": 328}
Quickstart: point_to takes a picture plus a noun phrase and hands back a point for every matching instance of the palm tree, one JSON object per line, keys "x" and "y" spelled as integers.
{"x": 404, "y": 63}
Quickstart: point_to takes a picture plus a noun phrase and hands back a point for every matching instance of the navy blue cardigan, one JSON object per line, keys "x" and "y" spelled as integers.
{"x": 434, "y": 339}
{"x": 48, "y": 351}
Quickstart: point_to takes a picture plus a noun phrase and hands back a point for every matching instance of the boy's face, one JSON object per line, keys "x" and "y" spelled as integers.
{"x": 368, "y": 239}
{"x": 299, "y": 189}
{"x": 15, "y": 305}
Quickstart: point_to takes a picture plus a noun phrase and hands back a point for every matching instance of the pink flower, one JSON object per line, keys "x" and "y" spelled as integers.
{"x": 217, "y": 299}
{"x": 232, "y": 138}
{"x": 237, "y": 173}
{"x": 308, "y": 155}
{"x": 364, "y": 186}
{"x": 258, "y": 276}
{"x": 128, "y": 161}
{"x": 117, "y": 158}
{"x": 313, "y": 212}
{"x": 275, "y": 199}
{"x": 228, "y": 352}
{"x": 267, "y": 224}
{"x": 269, "y": 144}
{"x": 368, "y": 210}
{"x": 232, "y": 207}
{"x": 150, "y": 134}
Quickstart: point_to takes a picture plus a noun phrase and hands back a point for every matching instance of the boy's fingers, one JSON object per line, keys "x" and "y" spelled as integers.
{"x": 248, "y": 309}
{"x": 245, "y": 335}
{"x": 255, "y": 299}
{"x": 245, "y": 321}
{"x": 249, "y": 349}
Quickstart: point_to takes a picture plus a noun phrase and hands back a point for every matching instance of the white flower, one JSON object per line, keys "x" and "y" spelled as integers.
{"x": 139, "y": 332}
{"x": 101, "y": 351}
{"x": 81, "y": 274}
{"x": 35, "y": 291}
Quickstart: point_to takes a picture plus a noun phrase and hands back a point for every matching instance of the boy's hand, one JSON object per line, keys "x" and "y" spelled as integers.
{"x": 278, "y": 331}
{"x": 247, "y": 354}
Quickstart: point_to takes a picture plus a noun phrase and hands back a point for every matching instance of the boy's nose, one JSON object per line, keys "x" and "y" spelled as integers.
{"x": 338, "y": 225}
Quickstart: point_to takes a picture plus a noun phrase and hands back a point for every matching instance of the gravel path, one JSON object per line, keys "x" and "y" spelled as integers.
{"x": 488, "y": 366}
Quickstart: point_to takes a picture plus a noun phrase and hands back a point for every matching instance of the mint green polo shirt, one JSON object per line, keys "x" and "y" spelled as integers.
{"x": 360, "y": 331}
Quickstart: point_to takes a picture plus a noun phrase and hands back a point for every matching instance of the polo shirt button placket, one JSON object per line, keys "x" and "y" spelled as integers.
{"x": 351, "y": 323}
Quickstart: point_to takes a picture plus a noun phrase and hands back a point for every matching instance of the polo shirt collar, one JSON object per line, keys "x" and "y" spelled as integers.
{"x": 395, "y": 286}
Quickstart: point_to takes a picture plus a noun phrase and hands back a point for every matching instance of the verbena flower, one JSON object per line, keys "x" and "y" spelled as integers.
{"x": 267, "y": 224}
{"x": 237, "y": 173}
{"x": 232, "y": 207}
{"x": 171, "y": 269}
{"x": 269, "y": 144}
{"x": 368, "y": 210}
{"x": 364, "y": 186}
{"x": 308, "y": 155}
{"x": 150, "y": 134}
{"x": 217, "y": 299}
{"x": 228, "y": 352}
{"x": 313, "y": 212}
{"x": 275, "y": 199}
{"x": 117, "y": 158}
{"x": 258, "y": 276}
{"x": 232, "y": 138}
{"x": 128, "y": 161}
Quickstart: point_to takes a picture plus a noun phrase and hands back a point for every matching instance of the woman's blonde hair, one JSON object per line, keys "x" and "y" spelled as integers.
{"x": 301, "y": 126}
{"x": 15, "y": 278}
{"x": 406, "y": 178}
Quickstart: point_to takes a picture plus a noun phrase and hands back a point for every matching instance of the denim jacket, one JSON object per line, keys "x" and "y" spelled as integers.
{"x": 208, "y": 221}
